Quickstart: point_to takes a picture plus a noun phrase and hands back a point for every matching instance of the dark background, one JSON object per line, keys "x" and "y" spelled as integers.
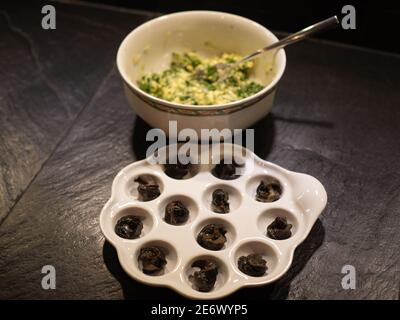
{"x": 377, "y": 21}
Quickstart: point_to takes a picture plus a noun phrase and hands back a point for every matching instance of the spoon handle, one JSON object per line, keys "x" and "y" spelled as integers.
{"x": 295, "y": 37}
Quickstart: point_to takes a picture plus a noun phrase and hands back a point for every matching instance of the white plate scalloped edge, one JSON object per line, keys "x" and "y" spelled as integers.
{"x": 302, "y": 201}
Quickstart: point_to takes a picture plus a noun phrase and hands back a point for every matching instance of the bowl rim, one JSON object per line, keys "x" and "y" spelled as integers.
{"x": 248, "y": 100}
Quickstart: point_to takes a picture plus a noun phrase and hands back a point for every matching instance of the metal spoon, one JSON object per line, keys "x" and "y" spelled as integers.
{"x": 293, "y": 38}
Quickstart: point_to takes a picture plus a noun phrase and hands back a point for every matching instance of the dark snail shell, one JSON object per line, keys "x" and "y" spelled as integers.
{"x": 212, "y": 237}
{"x": 176, "y": 213}
{"x": 152, "y": 259}
{"x": 129, "y": 227}
{"x": 279, "y": 229}
{"x": 268, "y": 192}
{"x": 177, "y": 171}
{"x": 253, "y": 265}
{"x": 204, "y": 279}
{"x": 226, "y": 171}
{"x": 148, "y": 188}
{"x": 220, "y": 201}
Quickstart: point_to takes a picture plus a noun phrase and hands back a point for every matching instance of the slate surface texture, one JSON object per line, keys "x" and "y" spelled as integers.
{"x": 66, "y": 130}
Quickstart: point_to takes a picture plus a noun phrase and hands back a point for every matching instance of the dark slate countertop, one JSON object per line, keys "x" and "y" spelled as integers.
{"x": 66, "y": 130}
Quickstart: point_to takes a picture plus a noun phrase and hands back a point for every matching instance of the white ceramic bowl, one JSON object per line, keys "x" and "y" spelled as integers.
{"x": 148, "y": 48}
{"x": 302, "y": 201}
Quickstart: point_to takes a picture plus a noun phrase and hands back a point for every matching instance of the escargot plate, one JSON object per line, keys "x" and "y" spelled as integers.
{"x": 302, "y": 200}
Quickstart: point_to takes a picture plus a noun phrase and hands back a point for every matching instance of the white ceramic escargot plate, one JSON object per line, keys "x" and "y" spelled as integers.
{"x": 301, "y": 202}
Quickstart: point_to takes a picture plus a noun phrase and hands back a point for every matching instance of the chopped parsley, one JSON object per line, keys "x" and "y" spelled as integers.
{"x": 194, "y": 80}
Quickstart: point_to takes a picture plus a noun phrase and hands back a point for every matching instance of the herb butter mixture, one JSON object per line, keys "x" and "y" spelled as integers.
{"x": 194, "y": 80}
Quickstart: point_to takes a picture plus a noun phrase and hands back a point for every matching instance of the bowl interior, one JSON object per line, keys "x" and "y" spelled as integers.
{"x": 148, "y": 48}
